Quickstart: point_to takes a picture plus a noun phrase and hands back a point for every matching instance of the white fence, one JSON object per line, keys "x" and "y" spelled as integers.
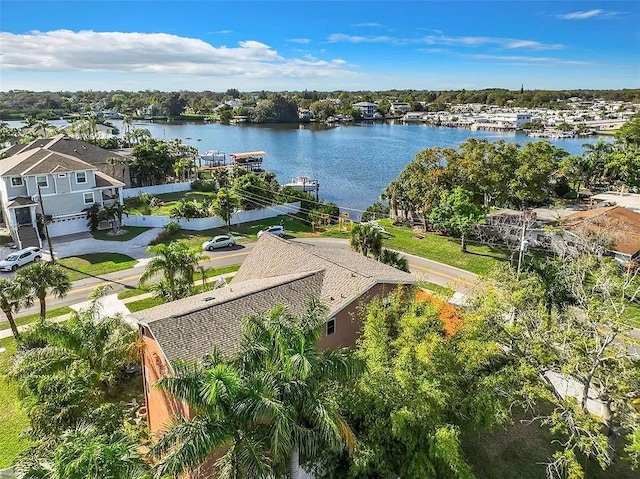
{"x": 199, "y": 224}
{"x": 157, "y": 189}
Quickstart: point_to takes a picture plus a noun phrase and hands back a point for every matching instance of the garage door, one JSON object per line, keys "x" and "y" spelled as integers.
{"x": 68, "y": 225}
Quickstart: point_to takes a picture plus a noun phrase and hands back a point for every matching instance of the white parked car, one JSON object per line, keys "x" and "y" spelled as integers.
{"x": 274, "y": 230}
{"x": 20, "y": 258}
{"x": 222, "y": 241}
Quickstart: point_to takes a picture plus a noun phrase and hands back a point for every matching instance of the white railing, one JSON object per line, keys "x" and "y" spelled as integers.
{"x": 199, "y": 224}
{"x": 157, "y": 189}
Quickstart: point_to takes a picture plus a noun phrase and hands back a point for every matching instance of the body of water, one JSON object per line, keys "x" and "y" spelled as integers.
{"x": 353, "y": 163}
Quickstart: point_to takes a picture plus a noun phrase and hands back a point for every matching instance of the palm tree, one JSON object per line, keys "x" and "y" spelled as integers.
{"x": 393, "y": 258}
{"x": 366, "y": 238}
{"x": 596, "y": 156}
{"x": 225, "y": 204}
{"x": 69, "y": 368}
{"x": 42, "y": 278}
{"x": 266, "y": 408}
{"x": 12, "y": 298}
{"x": 177, "y": 262}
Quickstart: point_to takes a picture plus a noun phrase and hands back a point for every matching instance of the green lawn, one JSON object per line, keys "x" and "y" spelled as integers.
{"x": 5, "y": 239}
{"x": 96, "y": 264}
{"x": 12, "y": 419}
{"x": 292, "y": 225}
{"x": 633, "y": 314}
{"x": 51, "y": 313}
{"x": 130, "y": 233}
{"x": 479, "y": 259}
{"x": 144, "y": 304}
{"x": 170, "y": 200}
{"x": 131, "y": 292}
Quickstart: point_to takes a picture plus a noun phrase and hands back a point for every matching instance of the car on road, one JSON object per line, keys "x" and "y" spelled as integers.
{"x": 222, "y": 241}
{"x": 277, "y": 230}
{"x": 20, "y": 258}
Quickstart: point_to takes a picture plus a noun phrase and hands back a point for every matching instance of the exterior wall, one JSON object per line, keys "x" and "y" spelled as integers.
{"x": 13, "y": 191}
{"x": 161, "y": 407}
{"x": 157, "y": 189}
{"x": 33, "y": 189}
{"x": 67, "y": 203}
{"x": 199, "y": 224}
{"x": 349, "y": 321}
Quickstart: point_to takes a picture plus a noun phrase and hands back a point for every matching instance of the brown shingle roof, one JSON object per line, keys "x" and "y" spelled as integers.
{"x": 104, "y": 180}
{"x": 620, "y": 224}
{"x": 190, "y": 328}
{"x": 347, "y": 274}
{"x": 20, "y": 201}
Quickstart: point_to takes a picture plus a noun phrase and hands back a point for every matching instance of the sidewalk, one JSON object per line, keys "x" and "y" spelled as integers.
{"x": 111, "y": 305}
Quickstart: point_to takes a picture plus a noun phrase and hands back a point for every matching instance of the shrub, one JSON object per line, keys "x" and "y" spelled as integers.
{"x": 203, "y": 185}
{"x": 169, "y": 231}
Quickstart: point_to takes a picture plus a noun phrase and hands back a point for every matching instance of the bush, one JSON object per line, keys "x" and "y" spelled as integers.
{"x": 93, "y": 215}
{"x": 203, "y": 185}
{"x": 169, "y": 231}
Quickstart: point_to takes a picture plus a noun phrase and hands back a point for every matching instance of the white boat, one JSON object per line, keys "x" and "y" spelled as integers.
{"x": 304, "y": 183}
{"x": 212, "y": 158}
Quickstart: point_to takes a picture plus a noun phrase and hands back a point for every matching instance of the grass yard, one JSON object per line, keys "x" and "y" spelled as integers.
{"x": 96, "y": 264}
{"x": 520, "y": 451}
{"x": 170, "y": 200}
{"x": 12, "y": 419}
{"x": 131, "y": 292}
{"x": 144, "y": 304}
{"x": 293, "y": 227}
{"x": 130, "y": 233}
{"x": 633, "y": 314}
{"x": 51, "y": 313}
{"x": 479, "y": 259}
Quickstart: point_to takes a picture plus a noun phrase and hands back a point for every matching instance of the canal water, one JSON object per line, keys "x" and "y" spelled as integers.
{"x": 353, "y": 163}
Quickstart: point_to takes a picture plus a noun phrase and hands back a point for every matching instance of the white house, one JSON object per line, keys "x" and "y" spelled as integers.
{"x": 399, "y": 108}
{"x": 367, "y": 109}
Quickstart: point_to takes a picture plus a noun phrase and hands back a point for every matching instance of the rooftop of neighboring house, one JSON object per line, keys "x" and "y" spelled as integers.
{"x": 64, "y": 144}
{"x": 543, "y": 215}
{"x": 277, "y": 271}
{"x": 620, "y": 224}
{"x": 41, "y": 161}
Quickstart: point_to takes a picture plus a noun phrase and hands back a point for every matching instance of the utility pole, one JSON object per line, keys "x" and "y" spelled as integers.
{"x": 44, "y": 222}
{"x": 522, "y": 243}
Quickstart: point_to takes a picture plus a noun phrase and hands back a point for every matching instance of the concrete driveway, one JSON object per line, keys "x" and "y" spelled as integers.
{"x": 84, "y": 243}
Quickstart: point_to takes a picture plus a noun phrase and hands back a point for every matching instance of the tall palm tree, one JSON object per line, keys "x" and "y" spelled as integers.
{"x": 13, "y": 297}
{"x": 366, "y": 238}
{"x": 264, "y": 409}
{"x": 393, "y": 258}
{"x": 42, "y": 278}
{"x": 596, "y": 156}
{"x": 283, "y": 348}
{"x": 177, "y": 262}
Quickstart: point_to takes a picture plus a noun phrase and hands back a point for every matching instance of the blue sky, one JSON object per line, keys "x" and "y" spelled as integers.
{"x": 302, "y": 44}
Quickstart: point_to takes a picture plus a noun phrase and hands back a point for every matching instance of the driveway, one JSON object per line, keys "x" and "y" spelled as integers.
{"x": 84, "y": 243}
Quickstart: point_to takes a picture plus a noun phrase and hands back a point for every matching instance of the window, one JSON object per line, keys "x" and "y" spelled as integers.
{"x": 88, "y": 198}
{"x": 42, "y": 181}
{"x": 81, "y": 177}
{"x": 16, "y": 181}
{"x": 331, "y": 326}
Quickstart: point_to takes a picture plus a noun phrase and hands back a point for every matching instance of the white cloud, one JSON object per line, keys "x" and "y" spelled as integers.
{"x": 158, "y": 53}
{"x": 461, "y": 41}
{"x": 299, "y": 40}
{"x": 220, "y": 32}
{"x": 586, "y": 14}
{"x": 525, "y": 60}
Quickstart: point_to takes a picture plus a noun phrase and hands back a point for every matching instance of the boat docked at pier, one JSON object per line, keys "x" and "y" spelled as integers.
{"x": 304, "y": 183}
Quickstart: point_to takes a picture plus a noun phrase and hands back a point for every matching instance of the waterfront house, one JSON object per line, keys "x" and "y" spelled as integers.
{"x": 276, "y": 271}
{"x": 399, "y": 108}
{"x": 367, "y": 109}
{"x": 67, "y": 185}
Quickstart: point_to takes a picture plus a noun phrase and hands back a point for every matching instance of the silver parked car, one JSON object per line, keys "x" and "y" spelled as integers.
{"x": 20, "y": 258}
{"x": 274, "y": 230}
{"x": 216, "y": 242}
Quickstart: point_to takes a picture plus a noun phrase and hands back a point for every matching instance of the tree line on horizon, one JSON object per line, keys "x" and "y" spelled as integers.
{"x": 18, "y": 104}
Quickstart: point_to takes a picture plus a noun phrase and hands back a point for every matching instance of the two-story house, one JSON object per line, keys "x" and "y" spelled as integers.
{"x": 367, "y": 109}
{"x": 67, "y": 186}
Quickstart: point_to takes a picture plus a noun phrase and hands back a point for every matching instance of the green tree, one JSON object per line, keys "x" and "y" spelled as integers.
{"x": 457, "y": 213}
{"x": 253, "y": 192}
{"x": 152, "y": 162}
{"x": 177, "y": 262}
{"x": 43, "y": 278}
{"x": 225, "y": 205}
{"x": 629, "y": 133}
{"x": 13, "y": 297}
{"x": 275, "y": 109}
{"x": 596, "y": 156}
{"x": 393, "y": 258}
{"x": 267, "y": 408}
{"x": 365, "y": 239}
{"x": 375, "y": 211}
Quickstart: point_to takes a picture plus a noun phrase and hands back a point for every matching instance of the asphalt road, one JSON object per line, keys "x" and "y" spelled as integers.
{"x": 424, "y": 269}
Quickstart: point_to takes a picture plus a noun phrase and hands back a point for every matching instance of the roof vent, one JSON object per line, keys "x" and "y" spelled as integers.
{"x": 209, "y": 298}
{"x": 75, "y": 151}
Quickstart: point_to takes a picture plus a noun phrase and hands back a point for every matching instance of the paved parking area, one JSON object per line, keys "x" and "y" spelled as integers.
{"x": 84, "y": 243}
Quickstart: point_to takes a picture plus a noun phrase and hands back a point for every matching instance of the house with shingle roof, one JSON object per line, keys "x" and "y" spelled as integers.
{"x": 67, "y": 184}
{"x": 616, "y": 227}
{"x": 277, "y": 271}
